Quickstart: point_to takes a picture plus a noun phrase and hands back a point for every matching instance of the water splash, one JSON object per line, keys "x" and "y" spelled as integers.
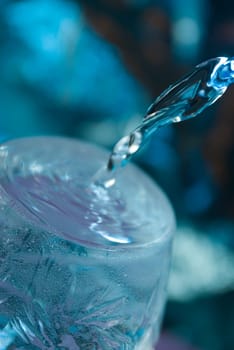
{"x": 183, "y": 100}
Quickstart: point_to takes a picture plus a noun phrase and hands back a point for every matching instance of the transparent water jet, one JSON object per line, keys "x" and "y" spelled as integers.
{"x": 183, "y": 100}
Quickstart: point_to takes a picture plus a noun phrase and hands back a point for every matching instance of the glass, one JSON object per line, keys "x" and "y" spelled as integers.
{"x": 82, "y": 267}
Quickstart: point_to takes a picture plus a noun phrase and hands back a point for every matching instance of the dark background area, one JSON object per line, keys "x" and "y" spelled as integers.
{"x": 89, "y": 69}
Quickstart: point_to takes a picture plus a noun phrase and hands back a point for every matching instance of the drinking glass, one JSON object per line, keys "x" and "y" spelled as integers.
{"x": 82, "y": 267}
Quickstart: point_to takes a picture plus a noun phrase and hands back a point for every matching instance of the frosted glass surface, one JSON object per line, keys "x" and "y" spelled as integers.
{"x": 82, "y": 268}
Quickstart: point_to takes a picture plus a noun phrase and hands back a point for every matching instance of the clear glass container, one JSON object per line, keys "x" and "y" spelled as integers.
{"x": 82, "y": 267}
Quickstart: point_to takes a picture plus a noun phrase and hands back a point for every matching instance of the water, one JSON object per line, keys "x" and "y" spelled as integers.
{"x": 181, "y": 101}
{"x": 84, "y": 264}
{"x": 81, "y": 267}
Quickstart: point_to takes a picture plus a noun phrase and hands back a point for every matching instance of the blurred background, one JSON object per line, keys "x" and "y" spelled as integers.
{"x": 89, "y": 69}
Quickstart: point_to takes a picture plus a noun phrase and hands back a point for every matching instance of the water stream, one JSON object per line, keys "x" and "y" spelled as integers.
{"x": 182, "y": 100}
